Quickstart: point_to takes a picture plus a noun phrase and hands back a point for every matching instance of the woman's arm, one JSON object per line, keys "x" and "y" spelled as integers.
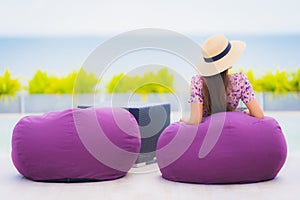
{"x": 255, "y": 109}
{"x": 195, "y": 114}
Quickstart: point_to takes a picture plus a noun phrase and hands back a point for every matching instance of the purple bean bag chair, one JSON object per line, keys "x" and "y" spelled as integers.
{"x": 76, "y": 145}
{"x": 225, "y": 148}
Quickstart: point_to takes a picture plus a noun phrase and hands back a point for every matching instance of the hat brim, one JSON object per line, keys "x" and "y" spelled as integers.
{"x": 216, "y": 67}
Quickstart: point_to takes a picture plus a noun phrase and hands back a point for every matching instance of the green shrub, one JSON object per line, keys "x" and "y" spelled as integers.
{"x": 295, "y": 80}
{"x": 161, "y": 82}
{"x": 85, "y": 82}
{"x": 115, "y": 84}
{"x": 8, "y": 85}
{"x": 278, "y": 82}
{"x": 42, "y": 83}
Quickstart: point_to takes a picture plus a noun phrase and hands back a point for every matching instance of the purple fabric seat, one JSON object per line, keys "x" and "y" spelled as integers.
{"x": 76, "y": 145}
{"x": 226, "y": 148}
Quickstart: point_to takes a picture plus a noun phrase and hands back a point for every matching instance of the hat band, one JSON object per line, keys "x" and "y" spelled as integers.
{"x": 220, "y": 55}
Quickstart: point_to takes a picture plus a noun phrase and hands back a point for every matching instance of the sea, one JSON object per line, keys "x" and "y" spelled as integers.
{"x": 60, "y": 55}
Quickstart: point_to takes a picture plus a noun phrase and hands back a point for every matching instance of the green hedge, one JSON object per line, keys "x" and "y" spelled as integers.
{"x": 43, "y": 83}
{"x": 278, "y": 81}
{"x": 160, "y": 82}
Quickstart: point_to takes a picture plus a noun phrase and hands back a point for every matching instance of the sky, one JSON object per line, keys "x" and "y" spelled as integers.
{"x": 94, "y": 17}
{"x": 58, "y": 35}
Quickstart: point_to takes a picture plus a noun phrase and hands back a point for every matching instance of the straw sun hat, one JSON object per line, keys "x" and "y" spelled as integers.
{"x": 219, "y": 54}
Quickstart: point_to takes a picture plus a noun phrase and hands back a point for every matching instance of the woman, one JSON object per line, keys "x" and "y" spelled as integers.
{"x": 214, "y": 90}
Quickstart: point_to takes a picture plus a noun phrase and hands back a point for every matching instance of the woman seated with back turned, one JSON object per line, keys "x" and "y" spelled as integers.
{"x": 217, "y": 91}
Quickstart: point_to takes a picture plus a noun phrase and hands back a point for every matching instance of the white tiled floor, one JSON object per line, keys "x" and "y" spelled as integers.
{"x": 149, "y": 186}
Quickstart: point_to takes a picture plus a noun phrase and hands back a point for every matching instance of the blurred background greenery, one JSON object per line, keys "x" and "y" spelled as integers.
{"x": 278, "y": 81}
{"x": 160, "y": 82}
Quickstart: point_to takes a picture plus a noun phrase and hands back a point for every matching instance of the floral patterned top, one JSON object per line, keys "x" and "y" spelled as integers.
{"x": 240, "y": 89}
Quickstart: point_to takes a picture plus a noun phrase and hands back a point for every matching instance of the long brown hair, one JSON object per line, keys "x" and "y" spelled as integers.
{"x": 215, "y": 93}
